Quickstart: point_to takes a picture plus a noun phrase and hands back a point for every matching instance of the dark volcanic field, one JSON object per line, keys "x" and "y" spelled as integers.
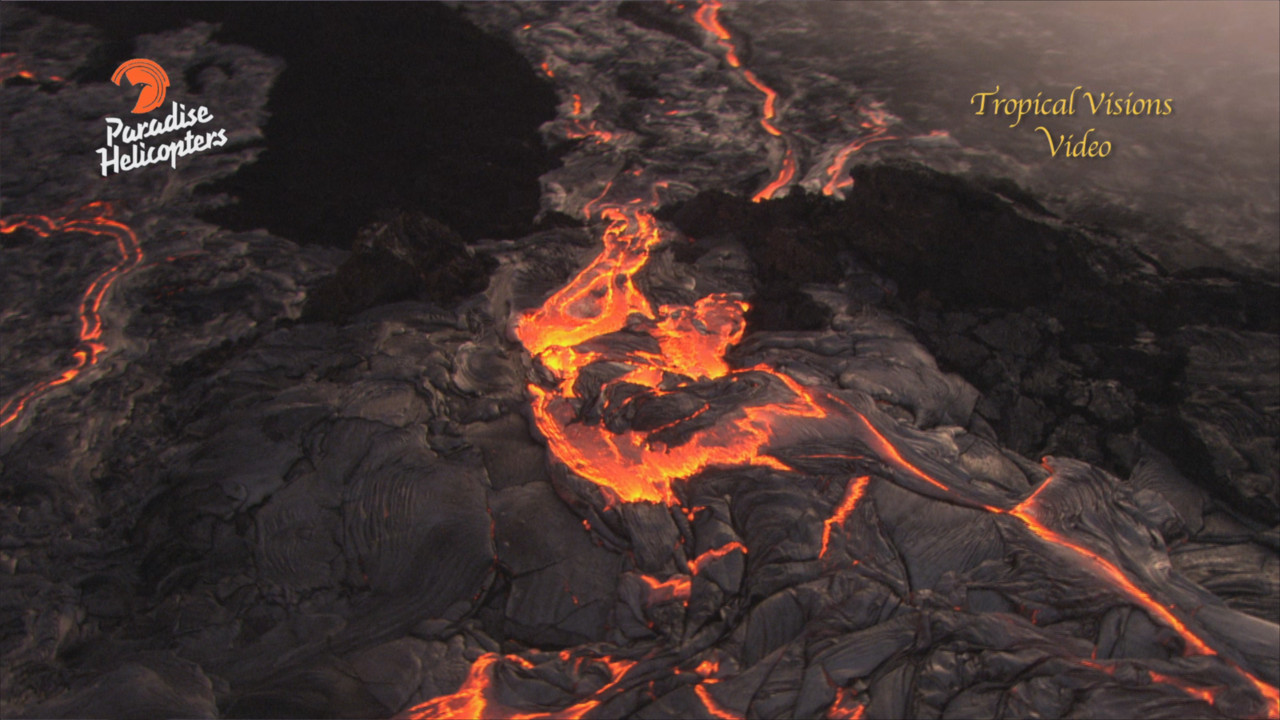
{"x": 302, "y": 476}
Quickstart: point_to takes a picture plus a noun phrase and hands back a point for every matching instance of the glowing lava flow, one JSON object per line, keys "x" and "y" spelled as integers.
{"x": 581, "y": 128}
{"x": 474, "y": 699}
{"x": 714, "y": 708}
{"x": 11, "y": 67}
{"x": 1198, "y": 693}
{"x": 89, "y": 347}
{"x": 852, "y": 495}
{"x": 681, "y": 586}
{"x": 708, "y": 16}
{"x": 696, "y": 563}
{"x": 877, "y": 122}
{"x": 692, "y": 340}
{"x": 665, "y": 591}
{"x": 706, "y": 670}
{"x": 845, "y": 706}
{"x": 1024, "y": 512}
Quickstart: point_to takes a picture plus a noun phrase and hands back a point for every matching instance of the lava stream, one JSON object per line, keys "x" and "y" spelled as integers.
{"x": 708, "y": 16}
{"x": 475, "y": 698}
{"x": 877, "y": 123}
{"x": 713, "y": 707}
{"x": 89, "y": 347}
{"x": 1195, "y": 645}
{"x": 680, "y": 587}
{"x": 852, "y": 495}
{"x": 600, "y": 300}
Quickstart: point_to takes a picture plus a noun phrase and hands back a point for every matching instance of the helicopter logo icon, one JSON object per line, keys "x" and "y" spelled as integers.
{"x": 147, "y": 73}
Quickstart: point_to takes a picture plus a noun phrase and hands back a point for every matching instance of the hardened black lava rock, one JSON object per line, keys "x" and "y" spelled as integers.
{"x": 408, "y": 257}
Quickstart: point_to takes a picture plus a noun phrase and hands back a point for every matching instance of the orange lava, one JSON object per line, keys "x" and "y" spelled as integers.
{"x": 475, "y": 698}
{"x": 665, "y": 591}
{"x": 1117, "y": 577}
{"x": 877, "y": 124}
{"x": 714, "y": 553}
{"x": 708, "y": 16}
{"x": 599, "y": 299}
{"x": 770, "y": 103}
{"x": 707, "y": 668}
{"x": 845, "y": 706}
{"x": 586, "y": 209}
{"x": 12, "y": 67}
{"x": 1194, "y": 644}
{"x": 694, "y": 340}
{"x": 713, "y": 707}
{"x": 1199, "y": 693}
{"x": 785, "y": 176}
{"x": 887, "y": 450}
{"x": 634, "y": 466}
{"x": 581, "y": 128}
{"x": 1195, "y": 692}
{"x": 852, "y": 494}
{"x": 89, "y": 347}
{"x": 602, "y": 299}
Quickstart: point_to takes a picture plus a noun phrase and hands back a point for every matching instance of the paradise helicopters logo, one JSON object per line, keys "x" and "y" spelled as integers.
{"x": 126, "y": 149}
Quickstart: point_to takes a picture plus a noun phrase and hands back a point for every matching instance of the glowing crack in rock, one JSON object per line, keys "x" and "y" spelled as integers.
{"x": 1194, "y": 644}
{"x": 11, "y": 66}
{"x": 708, "y": 16}
{"x": 851, "y": 497}
{"x": 94, "y": 219}
{"x": 476, "y": 698}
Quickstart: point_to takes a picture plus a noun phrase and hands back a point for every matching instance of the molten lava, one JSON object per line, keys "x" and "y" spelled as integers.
{"x": 475, "y": 698}
{"x": 95, "y": 219}
{"x": 11, "y": 66}
{"x": 713, "y": 707}
{"x": 603, "y": 299}
{"x": 877, "y": 126}
{"x": 852, "y": 495}
{"x": 696, "y": 563}
{"x": 846, "y": 706}
{"x": 1194, "y": 644}
{"x": 708, "y": 16}
{"x": 665, "y": 591}
{"x": 582, "y": 128}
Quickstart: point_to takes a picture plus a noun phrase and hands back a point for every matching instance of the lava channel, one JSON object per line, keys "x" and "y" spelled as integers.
{"x": 89, "y": 347}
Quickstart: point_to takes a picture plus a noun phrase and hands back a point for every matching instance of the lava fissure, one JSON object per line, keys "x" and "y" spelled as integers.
{"x": 89, "y": 311}
{"x": 853, "y": 493}
{"x": 475, "y": 698}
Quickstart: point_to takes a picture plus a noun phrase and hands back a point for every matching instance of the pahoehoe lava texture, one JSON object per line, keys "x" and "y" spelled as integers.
{"x": 307, "y": 481}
